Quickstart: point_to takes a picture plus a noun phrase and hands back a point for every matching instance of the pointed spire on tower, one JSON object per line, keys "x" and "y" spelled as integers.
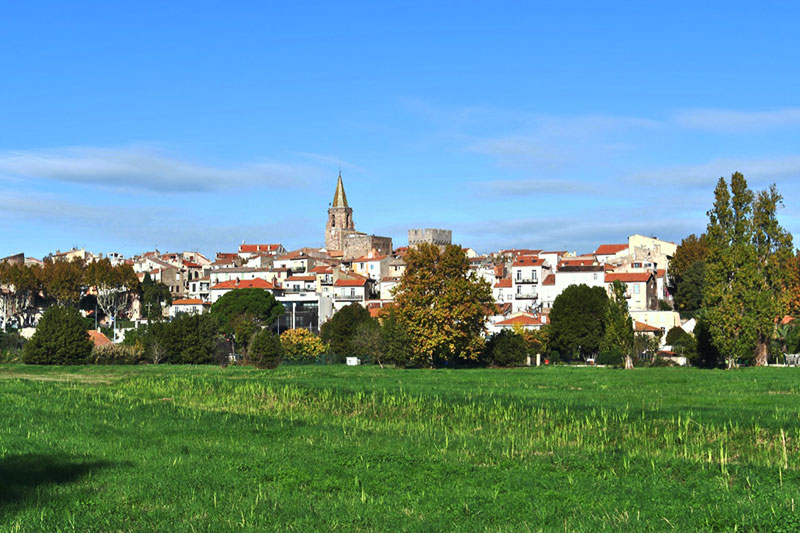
{"x": 340, "y": 198}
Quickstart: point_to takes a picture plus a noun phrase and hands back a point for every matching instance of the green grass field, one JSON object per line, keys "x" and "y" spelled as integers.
{"x": 312, "y": 448}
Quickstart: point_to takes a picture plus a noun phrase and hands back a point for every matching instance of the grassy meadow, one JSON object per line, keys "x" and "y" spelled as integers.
{"x": 327, "y": 448}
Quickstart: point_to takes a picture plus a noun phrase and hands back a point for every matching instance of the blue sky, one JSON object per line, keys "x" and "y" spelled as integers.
{"x": 197, "y": 125}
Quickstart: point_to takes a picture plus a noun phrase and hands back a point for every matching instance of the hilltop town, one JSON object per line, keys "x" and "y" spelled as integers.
{"x": 358, "y": 267}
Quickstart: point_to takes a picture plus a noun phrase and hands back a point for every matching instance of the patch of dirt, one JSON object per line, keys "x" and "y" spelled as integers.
{"x": 60, "y": 378}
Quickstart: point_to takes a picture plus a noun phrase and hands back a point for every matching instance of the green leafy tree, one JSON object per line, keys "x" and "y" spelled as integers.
{"x": 63, "y": 281}
{"x": 577, "y": 321}
{"x": 745, "y": 278}
{"x": 442, "y": 305}
{"x": 506, "y": 348}
{"x": 244, "y": 311}
{"x": 60, "y": 339}
{"x": 395, "y": 342}
{"x": 618, "y": 334}
{"x": 366, "y": 341}
{"x": 154, "y": 297}
{"x": 691, "y": 250}
{"x": 265, "y": 350}
{"x": 708, "y": 356}
{"x": 689, "y": 296}
{"x": 188, "y": 339}
{"x": 339, "y": 331}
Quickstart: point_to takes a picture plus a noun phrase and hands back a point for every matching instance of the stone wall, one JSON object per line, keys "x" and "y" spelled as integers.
{"x": 439, "y": 237}
{"x": 360, "y": 244}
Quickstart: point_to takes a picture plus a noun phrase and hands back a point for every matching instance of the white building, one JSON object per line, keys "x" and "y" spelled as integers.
{"x": 191, "y": 306}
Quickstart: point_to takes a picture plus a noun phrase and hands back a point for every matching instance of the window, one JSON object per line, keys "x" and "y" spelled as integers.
{"x": 636, "y": 289}
{"x": 352, "y": 292}
{"x": 519, "y": 275}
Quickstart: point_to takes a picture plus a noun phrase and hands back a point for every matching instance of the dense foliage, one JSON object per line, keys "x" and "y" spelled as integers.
{"x": 242, "y": 312}
{"x": 618, "y": 326}
{"x": 301, "y": 345}
{"x": 265, "y": 350}
{"x": 506, "y": 348}
{"x": 745, "y": 274}
{"x": 339, "y": 331}
{"x": 442, "y": 306}
{"x": 577, "y": 321}
{"x": 187, "y": 339}
{"x": 60, "y": 339}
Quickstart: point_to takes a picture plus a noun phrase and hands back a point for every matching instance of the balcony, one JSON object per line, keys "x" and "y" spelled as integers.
{"x": 526, "y": 296}
{"x": 326, "y": 281}
{"x": 521, "y": 281}
{"x": 349, "y": 297}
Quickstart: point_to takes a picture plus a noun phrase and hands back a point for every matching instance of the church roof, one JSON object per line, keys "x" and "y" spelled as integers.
{"x": 339, "y": 197}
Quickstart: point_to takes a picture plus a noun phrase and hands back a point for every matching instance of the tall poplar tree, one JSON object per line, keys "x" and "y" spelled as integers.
{"x": 618, "y": 335}
{"x": 744, "y": 286}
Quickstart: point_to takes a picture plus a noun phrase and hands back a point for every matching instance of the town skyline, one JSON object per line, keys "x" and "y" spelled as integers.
{"x": 132, "y": 128}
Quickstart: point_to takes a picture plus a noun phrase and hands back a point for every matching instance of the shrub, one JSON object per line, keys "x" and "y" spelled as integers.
{"x": 674, "y": 335}
{"x": 612, "y": 357}
{"x": 265, "y": 350}
{"x": 117, "y": 354}
{"x": 60, "y": 339}
{"x": 11, "y": 345}
{"x": 506, "y": 348}
{"x": 338, "y": 332}
{"x": 301, "y": 345}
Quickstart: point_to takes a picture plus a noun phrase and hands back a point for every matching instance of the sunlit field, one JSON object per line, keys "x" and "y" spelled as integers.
{"x": 330, "y": 448}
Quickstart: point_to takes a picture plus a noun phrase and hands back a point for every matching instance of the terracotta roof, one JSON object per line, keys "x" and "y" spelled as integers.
{"x": 301, "y": 278}
{"x": 524, "y": 319}
{"x": 528, "y": 262}
{"x": 190, "y": 264}
{"x": 98, "y": 338}
{"x": 610, "y": 249}
{"x": 252, "y": 248}
{"x": 503, "y": 284}
{"x": 350, "y": 282}
{"x": 366, "y": 258}
{"x": 628, "y": 277}
{"x": 660, "y": 273}
{"x": 576, "y": 262}
{"x": 550, "y": 279}
{"x": 322, "y": 269}
{"x": 645, "y": 328}
{"x": 297, "y": 254}
{"x": 188, "y": 301}
{"x": 257, "y": 283}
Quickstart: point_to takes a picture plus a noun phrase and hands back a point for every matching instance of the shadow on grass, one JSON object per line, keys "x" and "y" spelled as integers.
{"x": 22, "y": 476}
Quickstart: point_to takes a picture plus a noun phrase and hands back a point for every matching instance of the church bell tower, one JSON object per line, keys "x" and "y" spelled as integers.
{"x": 340, "y": 219}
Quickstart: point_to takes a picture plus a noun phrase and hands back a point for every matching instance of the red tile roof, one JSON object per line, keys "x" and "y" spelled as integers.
{"x": 503, "y": 284}
{"x": 576, "y": 262}
{"x": 188, "y": 301}
{"x": 190, "y": 264}
{"x": 628, "y": 277}
{"x": 645, "y": 328}
{"x": 301, "y": 278}
{"x": 322, "y": 269}
{"x": 660, "y": 273}
{"x": 257, "y": 283}
{"x": 366, "y": 258}
{"x": 252, "y": 248}
{"x": 524, "y": 320}
{"x": 550, "y": 279}
{"x": 350, "y": 282}
{"x": 527, "y": 261}
{"x": 98, "y": 338}
{"x": 610, "y": 249}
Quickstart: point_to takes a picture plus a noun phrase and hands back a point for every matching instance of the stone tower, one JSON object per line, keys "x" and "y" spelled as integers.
{"x": 340, "y": 219}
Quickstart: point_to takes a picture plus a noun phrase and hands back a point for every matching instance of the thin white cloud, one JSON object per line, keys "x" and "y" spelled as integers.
{"x": 146, "y": 169}
{"x": 756, "y": 170}
{"x": 731, "y": 121}
{"x": 532, "y": 187}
